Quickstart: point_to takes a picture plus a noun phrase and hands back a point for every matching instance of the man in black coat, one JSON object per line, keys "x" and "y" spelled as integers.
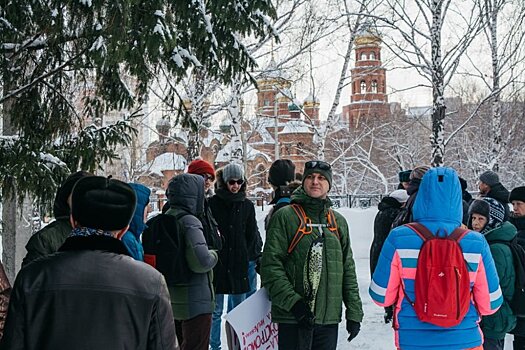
{"x": 91, "y": 294}
{"x": 389, "y": 209}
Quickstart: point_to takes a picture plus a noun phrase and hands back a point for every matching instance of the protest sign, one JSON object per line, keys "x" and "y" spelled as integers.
{"x": 249, "y": 325}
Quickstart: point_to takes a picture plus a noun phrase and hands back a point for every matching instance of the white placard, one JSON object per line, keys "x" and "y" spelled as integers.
{"x": 251, "y": 323}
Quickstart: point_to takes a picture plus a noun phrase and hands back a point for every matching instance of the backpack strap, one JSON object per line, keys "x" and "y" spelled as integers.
{"x": 332, "y": 223}
{"x": 304, "y": 228}
{"x": 458, "y": 233}
{"x": 421, "y": 230}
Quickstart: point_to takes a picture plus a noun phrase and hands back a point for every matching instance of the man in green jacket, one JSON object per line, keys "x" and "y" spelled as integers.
{"x": 309, "y": 281}
{"x": 51, "y": 237}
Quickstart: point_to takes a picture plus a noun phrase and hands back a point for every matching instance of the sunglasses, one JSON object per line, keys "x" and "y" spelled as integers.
{"x": 317, "y": 164}
{"x": 238, "y": 182}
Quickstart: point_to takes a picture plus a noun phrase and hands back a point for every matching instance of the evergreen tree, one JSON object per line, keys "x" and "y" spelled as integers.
{"x": 65, "y": 62}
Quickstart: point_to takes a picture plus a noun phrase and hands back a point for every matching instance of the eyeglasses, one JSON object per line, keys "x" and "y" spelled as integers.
{"x": 319, "y": 164}
{"x": 207, "y": 177}
{"x": 233, "y": 182}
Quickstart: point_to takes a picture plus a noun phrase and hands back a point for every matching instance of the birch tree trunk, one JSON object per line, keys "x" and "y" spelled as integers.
{"x": 438, "y": 100}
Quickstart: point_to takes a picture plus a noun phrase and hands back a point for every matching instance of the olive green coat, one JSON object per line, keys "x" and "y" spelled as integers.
{"x": 282, "y": 274}
{"x": 47, "y": 240}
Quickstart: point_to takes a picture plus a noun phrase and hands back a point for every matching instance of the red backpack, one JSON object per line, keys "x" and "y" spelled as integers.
{"x": 442, "y": 285}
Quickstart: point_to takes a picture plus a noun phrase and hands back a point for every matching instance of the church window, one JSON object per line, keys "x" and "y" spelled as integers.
{"x": 374, "y": 86}
{"x": 363, "y": 87}
{"x": 266, "y": 103}
{"x": 372, "y": 55}
{"x": 363, "y": 56}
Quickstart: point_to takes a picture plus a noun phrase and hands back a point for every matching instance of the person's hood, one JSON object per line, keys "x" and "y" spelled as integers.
{"x": 186, "y": 192}
{"x": 439, "y": 201}
{"x": 137, "y": 225}
{"x": 504, "y": 232}
{"x": 388, "y": 202}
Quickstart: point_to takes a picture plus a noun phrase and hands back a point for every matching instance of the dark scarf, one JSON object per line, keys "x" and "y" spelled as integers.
{"x": 229, "y": 196}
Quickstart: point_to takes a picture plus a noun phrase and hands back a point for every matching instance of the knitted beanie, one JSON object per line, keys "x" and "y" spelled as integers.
{"x": 489, "y": 177}
{"x": 497, "y": 213}
{"x": 281, "y": 172}
{"x": 102, "y": 203}
{"x": 479, "y": 207}
{"x": 232, "y": 171}
{"x": 517, "y": 194}
{"x": 201, "y": 167}
{"x": 327, "y": 173}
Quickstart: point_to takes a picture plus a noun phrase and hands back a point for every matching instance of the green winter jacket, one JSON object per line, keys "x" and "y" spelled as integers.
{"x": 282, "y": 274}
{"x": 503, "y": 321}
{"x": 47, "y": 240}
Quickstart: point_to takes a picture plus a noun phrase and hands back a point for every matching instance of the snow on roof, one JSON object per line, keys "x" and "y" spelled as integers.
{"x": 165, "y": 161}
{"x": 212, "y": 135}
{"x": 310, "y": 98}
{"x": 224, "y": 155}
{"x": 296, "y": 127}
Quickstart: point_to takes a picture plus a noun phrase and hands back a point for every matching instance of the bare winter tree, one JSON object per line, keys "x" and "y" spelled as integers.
{"x": 417, "y": 43}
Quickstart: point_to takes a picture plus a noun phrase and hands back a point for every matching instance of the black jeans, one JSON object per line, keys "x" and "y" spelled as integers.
{"x": 519, "y": 342}
{"x": 291, "y": 337}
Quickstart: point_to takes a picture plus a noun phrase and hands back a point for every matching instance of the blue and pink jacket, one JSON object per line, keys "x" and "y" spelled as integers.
{"x": 438, "y": 206}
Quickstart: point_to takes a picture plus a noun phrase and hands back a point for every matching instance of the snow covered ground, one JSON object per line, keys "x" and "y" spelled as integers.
{"x": 375, "y": 334}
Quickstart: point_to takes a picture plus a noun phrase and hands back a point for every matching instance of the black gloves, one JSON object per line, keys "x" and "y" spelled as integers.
{"x": 305, "y": 318}
{"x": 353, "y": 328}
{"x": 389, "y": 314}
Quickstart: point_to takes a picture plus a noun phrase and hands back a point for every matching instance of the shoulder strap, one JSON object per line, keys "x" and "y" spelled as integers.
{"x": 458, "y": 233}
{"x": 332, "y": 223}
{"x": 303, "y": 228}
{"x": 421, "y": 230}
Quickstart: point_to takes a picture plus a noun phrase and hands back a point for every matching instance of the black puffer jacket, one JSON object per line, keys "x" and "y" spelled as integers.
{"x": 389, "y": 208}
{"x": 235, "y": 215}
{"x": 89, "y": 295}
{"x": 519, "y": 222}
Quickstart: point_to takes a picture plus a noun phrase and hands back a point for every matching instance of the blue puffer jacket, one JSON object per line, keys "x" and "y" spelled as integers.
{"x": 438, "y": 206}
{"x": 131, "y": 238}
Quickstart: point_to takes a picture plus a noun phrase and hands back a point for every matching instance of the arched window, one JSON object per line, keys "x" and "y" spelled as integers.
{"x": 372, "y": 55}
{"x": 373, "y": 86}
{"x": 363, "y": 56}
{"x": 363, "y": 87}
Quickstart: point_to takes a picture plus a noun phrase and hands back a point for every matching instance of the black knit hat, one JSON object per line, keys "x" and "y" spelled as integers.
{"x": 517, "y": 194}
{"x": 281, "y": 172}
{"x": 61, "y": 206}
{"x": 320, "y": 167}
{"x": 480, "y": 207}
{"x": 103, "y": 203}
{"x": 404, "y": 176}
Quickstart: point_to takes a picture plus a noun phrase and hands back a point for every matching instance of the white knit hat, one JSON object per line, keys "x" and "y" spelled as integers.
{"x": 400, "y": 195}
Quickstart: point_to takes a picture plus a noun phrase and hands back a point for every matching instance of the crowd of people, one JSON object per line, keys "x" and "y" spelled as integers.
{"x": 438, "y": 199}
{"x": 102, "y": 276}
